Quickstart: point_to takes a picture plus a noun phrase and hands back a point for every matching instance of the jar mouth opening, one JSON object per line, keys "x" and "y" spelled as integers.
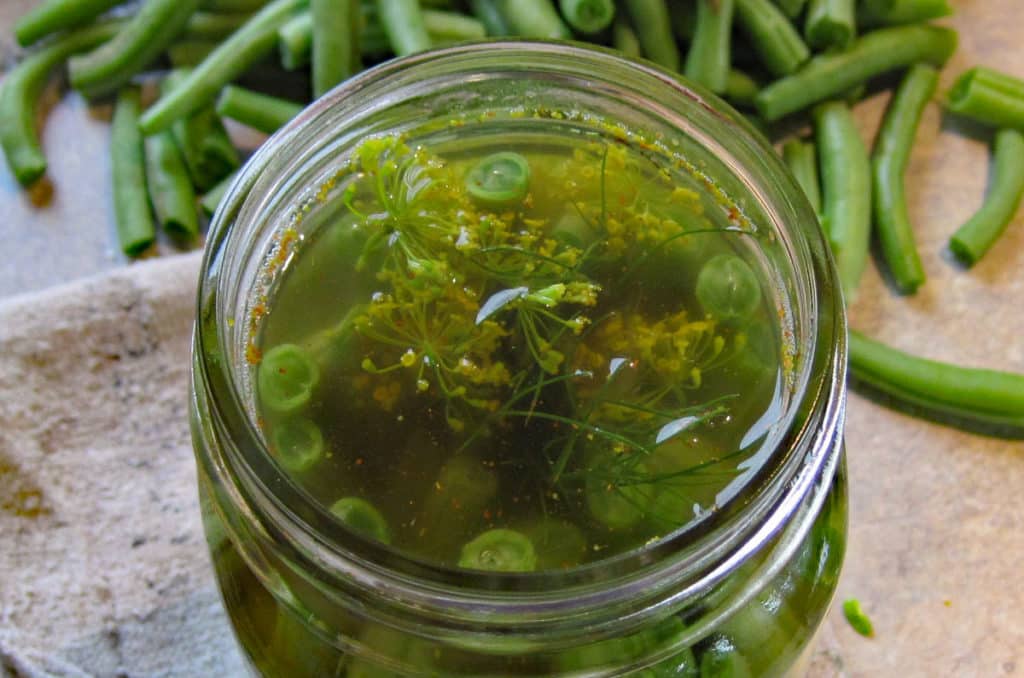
{"x": 818, "y": 346}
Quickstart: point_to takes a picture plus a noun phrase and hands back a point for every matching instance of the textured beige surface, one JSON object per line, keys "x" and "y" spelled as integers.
{"x": 937, "y": 515}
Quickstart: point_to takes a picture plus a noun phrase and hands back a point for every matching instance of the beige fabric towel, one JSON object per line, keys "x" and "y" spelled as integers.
{"x": 103, "y": 566}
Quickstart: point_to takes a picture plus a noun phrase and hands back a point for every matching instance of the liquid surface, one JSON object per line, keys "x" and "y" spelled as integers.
{"x": 521, "y": 352}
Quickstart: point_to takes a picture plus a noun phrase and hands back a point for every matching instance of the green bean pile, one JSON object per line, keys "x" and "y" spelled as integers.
{"x": 173, "y": 159}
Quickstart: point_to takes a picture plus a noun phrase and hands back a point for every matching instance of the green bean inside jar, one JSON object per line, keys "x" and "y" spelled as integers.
{"x": 507, "y": 359}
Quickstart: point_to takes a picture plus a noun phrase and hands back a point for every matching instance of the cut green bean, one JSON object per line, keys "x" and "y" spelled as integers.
{"x": 404, "y": 24}
{"x": 499, "y": 551}
{"x": 830, "y": 23}
{"x": 170, "y": 188}
{"x": 971, "y": 394}
{"x": 361, "y": 516}
{"x": 833, "y": 74}
{"x": 990, "y": 97}
{"x": 295, "y": 41}
{"x": 624, "y": 38}
{"x": 212, "y": 26}
{"x": 776, "y": 41}
{"x": 233, "y": 5}
{"x": 137, "y": 44}
{"x": 211, "y": 200}
{"x": 189, "y": 53}
{"x": 499, "y": 180}
{"x": 977, "y": 236}
{"x": 54, "y": 16}
{"x": 246, "y": 46}
{"x": 450, "y": 27}
{"x": 856, "y": 618}
{"x": 653, "y": 26}
{"x": 135, "y": 228}
{"x": 588, "y": 16}
{"x": 19, "y": 98}
{"x": 260, "y": 111}
{"x": 286, "y": 377}
{"x": 896, "y": 12}
{"x": 727, "y": 288}
{"x": 791, "y": 8}
{"x": 533, "y": 19}
{"x": 487, "y": 13}
{"x": 297, "y": 443}
{"x": 802, "y": 159}
{"x": 336, "y": 28}
{"x": 888, "y": 165}
{"x": 741, "y": 89}
{"x": 846, "y": 183}
{"x": 203, "y": 141}
{"x": 709, "y": 57}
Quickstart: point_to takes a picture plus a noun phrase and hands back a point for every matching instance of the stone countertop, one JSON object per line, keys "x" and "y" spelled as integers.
{"x": 937, "y": 514}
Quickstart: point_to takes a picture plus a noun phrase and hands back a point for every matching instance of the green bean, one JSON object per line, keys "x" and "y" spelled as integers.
{"x": 846, "y": 180}
{"x": 295, "y": 41}
{"x": 248, "y": 44}
{"x": 740, "y": 89}
{"x": 831, "y": 75}
{"x": 189, "y": 53}
{"x": 170, "y": 189}
{"x": 990, "y": 97}
{"x": 802, "y": 160}
{"x": 654, "y": 28}
{"x": 499, "y": 180}
{"x": 202, "y": 139}
{"x": 54, "y": 16}
{"x": 684, "y": 20}
{"x": 486, "y": 11}
{"x": 721, "y": 658}
{"x": 448, "y": 27}
{"x": 791, "y": 8}
{"x": 286, "y": 378}
{"x": 708, "y": 59}
{"x": 297, "y": 443}
{"x": 727, "y": 288}
{"x": 856, "y": 617}
{"x": 259, "y": 111}
{"x": 888, "y": 165}
{"x": 971, "y": 394}
{"x": 137, "y": 44}
{"x": 499, "y": 551}
{"x": 336, "y": 27}
{"x": 363, "y": 517}
{"x": 830, "y": 23}
{"x": 212, "y": 26}
{"x": 19, "y": 96}
{"x": 778, "y": 44}
{"x": 403, "y": 22}
{"x": 533, "y": 19}
{"x": 588, "y": 16}
{"x": 624, "y": 38}
{"x": 211, "y": 200}
{"x": 895, "y": 12}
{"x": 135, "y": 228}
{"x": 974, "y": 238}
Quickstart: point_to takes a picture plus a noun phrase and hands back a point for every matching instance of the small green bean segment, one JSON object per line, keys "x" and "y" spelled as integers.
{"x": 403, "y": 22}
{"x": 361, "y": 516}
{"x": 297, "y": 443}
{"x": 990, "y": 97}
{"x": 888, "y": 165}
{"x": 208, "y": 151}
{"x": 499, "y": 550}
{"x": 19, "y": 96}
{"x": 500, "y": 179}
{"x": 135, "y": 228}
{"x": 211, "y": 200}
{"x": 625, "y": 39}
{"x": 53, "y": 16}
{"x": 776, "y": 41}
{"x": 286, "y": 378}
{"x": 260, "y": 111}
{"x": 857, "y": 619}
{"x": 973, "y": 394}
{"x": 846, "y": 183}
{"x": 170, "y": 188}
{"x": 802, "y": 159}
{"x": 830, "y": 23}
{"x": 709, "y": 58}
{"x": 533, "y": 19}
{"x": 487, "y": 13}
{"x": 833, "y": 74}
{"x": 727, "y": 288}
{"x": 137, "y": 44}
{"x": 976, "y": 237}
{"x": 588, "y": 16}
{"x": 336, "y": 27}
{"x": 896, "y": 12}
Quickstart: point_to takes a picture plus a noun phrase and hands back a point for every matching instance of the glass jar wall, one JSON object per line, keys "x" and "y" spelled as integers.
{"x": 741, "y": 573}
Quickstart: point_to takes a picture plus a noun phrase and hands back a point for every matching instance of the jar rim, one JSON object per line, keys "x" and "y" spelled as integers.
{"x": 458, "y": 590}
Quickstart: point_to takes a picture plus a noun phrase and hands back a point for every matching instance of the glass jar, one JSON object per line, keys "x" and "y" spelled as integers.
{"x": 744, "y": 591}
